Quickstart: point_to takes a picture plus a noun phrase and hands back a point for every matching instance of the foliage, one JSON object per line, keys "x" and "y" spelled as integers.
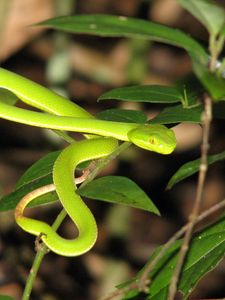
{"x": 178, "y": 105}
{"x": 206, "y": 251}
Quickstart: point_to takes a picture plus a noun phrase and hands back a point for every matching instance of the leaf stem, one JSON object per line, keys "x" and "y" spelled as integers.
{"x": 64, "y": 136}
{"x": 207, "y": 117}
{"x": 215, "y": 47}
{"x": 103, "y": 162}
{"x": 39, "y": 257}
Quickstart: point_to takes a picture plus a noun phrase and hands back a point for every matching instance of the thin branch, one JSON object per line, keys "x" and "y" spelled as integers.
{"x": 144, "y": 277}
{"x": 39, "y": 257}
{"x": 100, "y": 165}
{"x": 207, "y": 117}
{"x": 121, "y": 291}
{"x": 213, "y": 52}
{"x": 64, "y": 136}
{"x": 215, "y": 47}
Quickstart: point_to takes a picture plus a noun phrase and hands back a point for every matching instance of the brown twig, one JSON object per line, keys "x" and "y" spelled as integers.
{"x": 121, "y": 291}
{"x": 141, "y": 284}
{"x": 216, "y": 45}
{"x": 207, "y": 117}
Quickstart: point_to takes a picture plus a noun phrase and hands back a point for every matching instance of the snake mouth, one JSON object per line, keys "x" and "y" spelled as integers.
{"x": 161, "y": 149}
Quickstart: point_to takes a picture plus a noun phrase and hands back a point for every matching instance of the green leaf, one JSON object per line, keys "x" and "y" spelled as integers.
{"x": 145, "y": 93}
{"x": 10, "y": 201}
{"x": 39, "y": 170}
{"x": 206, "y": 250}
{"x": 210, "y": 14}
{"x": 39, "y": 174}
{"x": 117, "y": 26}
{"x": 177, "y": 114}
{"x": 5, "y": 297}
{"x": 222, "y": 33}
{"x": 214, "y": 84}
{"x": 191, "y": 168}
{"x": 122, "y": 115}
{"x": 119, "y": 190}
{"x": 113, "y": 189}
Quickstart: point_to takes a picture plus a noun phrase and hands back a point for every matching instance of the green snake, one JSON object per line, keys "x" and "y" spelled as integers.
{"x": 64, "y": 115}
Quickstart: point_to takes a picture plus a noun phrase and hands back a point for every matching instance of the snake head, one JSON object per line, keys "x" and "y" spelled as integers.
{"x": 157, "y": 138}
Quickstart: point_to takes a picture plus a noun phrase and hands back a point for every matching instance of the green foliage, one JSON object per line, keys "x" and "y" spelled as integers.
{"x": 213, "y": 83}
{"x": 117, "y": 26}
{"x": 223, "y": 31}
{"x": 120, "y": 190}
{"x": 178, "y": 114}
{"x": 123, "y": 115}
{"x": 192, "y": 167}
{"x": 145, "y": 93}
{"x": 207, "y": 249}
{"x": 39, "y": 170}
{"x": 106, "y": 25}
{"x": 207, "y": 12}
{"x": 4, "y": 297}
{"x": 114, "y": 189}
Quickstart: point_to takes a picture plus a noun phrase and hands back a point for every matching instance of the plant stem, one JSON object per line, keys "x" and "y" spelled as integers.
{"x": 103, "y": 162}
{"x": 64, "y": 136}
{"x": 39, "y": 257}
{"x": 207, "y": 117}
{"x": 215, "y": 47}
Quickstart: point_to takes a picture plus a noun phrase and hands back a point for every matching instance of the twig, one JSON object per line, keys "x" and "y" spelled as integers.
{"x": 121, "y": 291}
{"x": 141, "y": 284}
{"x": 207, "y": 117}
{"x": 103, "y": 162}
{"x": 215, "y": 47}
{"x": 38, "y": 259}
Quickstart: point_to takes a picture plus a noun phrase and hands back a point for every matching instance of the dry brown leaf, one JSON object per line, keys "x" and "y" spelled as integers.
{"x": 188, "y": 136}
{"x": 165, "y": 11}
{"x": 19, "y": 15}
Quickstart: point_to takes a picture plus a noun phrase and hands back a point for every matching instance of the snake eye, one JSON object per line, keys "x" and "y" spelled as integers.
{"x": 152, "y": 141}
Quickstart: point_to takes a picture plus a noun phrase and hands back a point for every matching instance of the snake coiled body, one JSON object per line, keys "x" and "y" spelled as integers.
{"x": 62, "y": 114}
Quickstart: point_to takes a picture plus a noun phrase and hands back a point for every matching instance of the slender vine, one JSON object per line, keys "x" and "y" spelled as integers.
{"x": 41, "y": 252}
{"x": 215, "y": 47}
{"x": 207, "y": 117}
